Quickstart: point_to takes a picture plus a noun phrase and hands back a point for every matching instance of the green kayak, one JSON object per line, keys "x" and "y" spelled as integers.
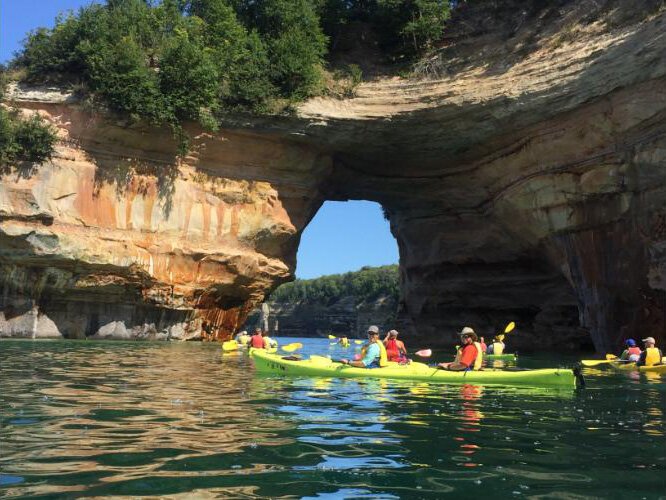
{"x": 319, "y": 366}
{"x": 500, "y": 357}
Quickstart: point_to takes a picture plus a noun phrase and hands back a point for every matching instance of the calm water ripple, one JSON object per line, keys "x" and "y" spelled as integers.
{"x": 178, "y": 419}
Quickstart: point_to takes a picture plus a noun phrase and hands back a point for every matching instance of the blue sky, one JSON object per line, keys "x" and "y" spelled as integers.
{"x": 343, "y": 236}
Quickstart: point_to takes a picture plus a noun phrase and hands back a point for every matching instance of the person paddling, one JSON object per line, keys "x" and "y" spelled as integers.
{"x": 469, "y": 356}
{"x": 651, "y": 355}
{"x": 395, "y": 349}
{"x": 373, "y": 353}
{"x": 257, "y": 340}
{"x": 343, "y": 341}
{"x": 243, "y": 338}
{"x": 484, "y": 347}
{"x": 632, "y": 352}
{"x": 497, "y": 347}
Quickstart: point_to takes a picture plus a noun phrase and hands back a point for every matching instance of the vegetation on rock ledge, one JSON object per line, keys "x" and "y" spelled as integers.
{"x": 23, "y": 139}
{"x": 168, "y": 61}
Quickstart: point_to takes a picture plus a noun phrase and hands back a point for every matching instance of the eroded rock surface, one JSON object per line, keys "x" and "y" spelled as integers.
{"x": 524, "y": 177}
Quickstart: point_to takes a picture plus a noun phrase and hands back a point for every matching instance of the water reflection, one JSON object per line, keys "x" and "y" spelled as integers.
{"x": 134, "y": 419}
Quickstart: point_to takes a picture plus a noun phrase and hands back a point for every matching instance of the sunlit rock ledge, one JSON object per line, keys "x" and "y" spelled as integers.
{"x": 525, "y": 179}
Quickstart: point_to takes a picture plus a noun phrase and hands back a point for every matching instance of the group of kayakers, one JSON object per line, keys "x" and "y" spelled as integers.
{"x": 650, "y": 356}
{"x": 376, "y": 353}
{"x": 258, "y": 340}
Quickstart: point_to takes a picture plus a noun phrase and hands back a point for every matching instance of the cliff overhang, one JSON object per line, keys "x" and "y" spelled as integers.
{"x": 524, "y": 180}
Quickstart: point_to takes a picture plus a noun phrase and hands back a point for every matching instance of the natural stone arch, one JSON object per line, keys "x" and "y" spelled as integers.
{"x": 539, "y": 182}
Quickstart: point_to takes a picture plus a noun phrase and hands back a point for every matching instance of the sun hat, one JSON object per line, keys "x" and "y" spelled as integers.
{"x": 649, "y": 340}
{"x": 466, "y": 330}
{"x": 373, "y": 329}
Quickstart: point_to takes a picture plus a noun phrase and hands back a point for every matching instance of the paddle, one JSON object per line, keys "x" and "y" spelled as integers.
{"x": 610, "y": 358}
{"x": 292, "y": 347}
{"x": 424, "y": 353}
{"x": 332, "y": 337}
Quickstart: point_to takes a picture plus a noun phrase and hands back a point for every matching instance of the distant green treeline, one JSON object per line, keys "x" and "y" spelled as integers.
{"x": 366, "y": 285}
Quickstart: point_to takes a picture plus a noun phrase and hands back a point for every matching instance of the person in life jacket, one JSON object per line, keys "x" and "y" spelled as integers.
{"x": 484, "y": 347}
{"x": 632, "y": 352}
{"x": 651, "y": 355}
{"x": 497, "y": 347}
{"x": 343, "y": 341}
{"x": 243, "y": 338}
{"x": 395, "y": 349}
{"x": 269, "y": 342}
{"x": 257, "y": 340}
{"x": 373, "y": 353}
{"x": 469, "y": 357}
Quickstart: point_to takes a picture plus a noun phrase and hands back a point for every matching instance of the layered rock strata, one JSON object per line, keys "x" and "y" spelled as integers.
{"x": 524, "y": 177}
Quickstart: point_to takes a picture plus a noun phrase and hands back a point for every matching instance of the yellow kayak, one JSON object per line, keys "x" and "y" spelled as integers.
{"x": 318, "y": 366}
{"x": 629, "y": 367}
{"x": 229, "y": 346}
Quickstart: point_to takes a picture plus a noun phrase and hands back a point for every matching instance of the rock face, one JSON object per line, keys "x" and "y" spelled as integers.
{"x": 524, "y": 176}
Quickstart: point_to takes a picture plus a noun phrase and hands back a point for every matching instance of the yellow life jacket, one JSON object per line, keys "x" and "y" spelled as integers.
{"x": 498, "y": 347}
{"x": 383, "y": 358}
{"x": 652, "y": 356}
{"x": 479, "y": 356}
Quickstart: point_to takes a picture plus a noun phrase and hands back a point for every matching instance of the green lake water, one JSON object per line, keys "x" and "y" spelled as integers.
{"x": 94, "y": 419}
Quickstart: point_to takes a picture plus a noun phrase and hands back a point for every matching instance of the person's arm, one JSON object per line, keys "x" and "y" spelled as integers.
{"x": 625, "y": 354}
{"x": 641, "y": 360}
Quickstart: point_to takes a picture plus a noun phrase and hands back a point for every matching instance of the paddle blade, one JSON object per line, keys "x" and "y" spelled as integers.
{"x": 331, "y": 337}
{"x": 510, "y": 327}
{"x": 424, "y": 353}
{"x": 594, "y": 362}
{"x": 292, "y": 347}
{"x": 611, "y": 357}
{"x": 358, "y": 342}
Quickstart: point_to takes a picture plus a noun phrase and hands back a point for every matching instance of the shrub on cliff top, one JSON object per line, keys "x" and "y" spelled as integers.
{"x": 22, "y": 140}
{"x": 166, "y": 61}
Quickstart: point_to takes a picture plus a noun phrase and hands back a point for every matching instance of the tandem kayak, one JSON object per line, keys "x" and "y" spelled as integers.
{"x": 500, "y": 357}
{"x": 629, "y": 367}
{"x": 319, "y": 366}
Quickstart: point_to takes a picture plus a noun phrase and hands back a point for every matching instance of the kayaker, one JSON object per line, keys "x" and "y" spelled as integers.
{"x": 632, "y": 352}
{"x": 343, "y": 341}
{"x": 497, "y": 347}
{"x": 243, "y": 338}
{"x": 373, "y": 353}
{"x": 257, "y": 340}
{"x": 484, "y": 347}
{"x": 651, "y": 355}
{"x": 395, "y": 349}
{"x": 469, "y": 356}
{"x": 269, "y": 343}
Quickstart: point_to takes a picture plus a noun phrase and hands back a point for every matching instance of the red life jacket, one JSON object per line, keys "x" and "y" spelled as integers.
{"x": 392, "y": 351}
{"x": 257, "y": 342}
{"x": 634, "y": 350}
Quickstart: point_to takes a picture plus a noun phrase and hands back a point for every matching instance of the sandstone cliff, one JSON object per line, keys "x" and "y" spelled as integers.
{"x": 524, "y": 175}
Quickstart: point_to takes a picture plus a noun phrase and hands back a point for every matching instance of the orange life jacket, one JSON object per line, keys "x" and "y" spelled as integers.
{"x": 257, "y": 342}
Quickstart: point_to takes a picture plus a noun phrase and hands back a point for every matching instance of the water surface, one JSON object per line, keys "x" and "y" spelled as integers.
{"x": 82, "y": 418}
